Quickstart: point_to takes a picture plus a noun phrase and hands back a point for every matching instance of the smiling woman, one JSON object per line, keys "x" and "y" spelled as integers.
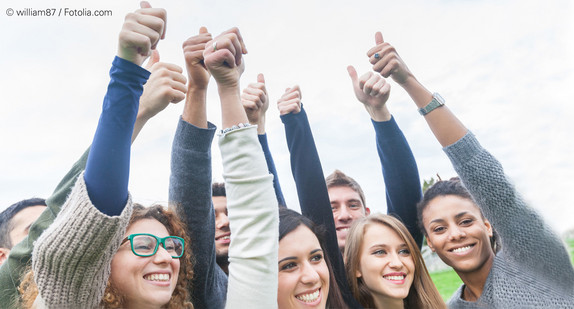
{"x": 385, "y": 268}
{"x": 305, "y": 274}
{"x": 91, "y": 256}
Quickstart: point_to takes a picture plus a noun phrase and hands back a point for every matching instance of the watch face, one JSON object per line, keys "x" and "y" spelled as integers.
{"x": 438, "y": 98}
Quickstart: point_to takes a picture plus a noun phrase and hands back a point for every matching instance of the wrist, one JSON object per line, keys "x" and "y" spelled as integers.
{"x": 261, "y": 126}
{"x": 229, "y": 90}
{"x": 379, "y": 114}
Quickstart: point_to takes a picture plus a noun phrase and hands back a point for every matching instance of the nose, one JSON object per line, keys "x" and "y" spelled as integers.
{"x": 395, "y": 261}
{"x": 456, "y": 233}
{"x": 162, "y": 256}
{"x": 221, "y": 221}
{"x": 309, "y": 275}
{"x": 344, "y": 214}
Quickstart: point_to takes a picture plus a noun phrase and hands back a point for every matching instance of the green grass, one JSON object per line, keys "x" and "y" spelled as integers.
{"x": 570, "y": 243}
{"x": 447, "y": 282}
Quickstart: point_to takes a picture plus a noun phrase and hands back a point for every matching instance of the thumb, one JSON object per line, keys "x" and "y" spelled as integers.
{"x": 352, "y": 73}
{"x": 202, "y": 30}
{"x": 260, "y": 78}
{"x": 379, "y": 38}
{"x": 145, "y": 5}
{"x": 153, "y": 59}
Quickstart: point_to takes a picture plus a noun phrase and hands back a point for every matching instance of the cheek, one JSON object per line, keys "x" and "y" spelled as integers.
{"x": 176, "y": 265}
{"x": 409, "y": 264}
{"x": 323, "y": 272}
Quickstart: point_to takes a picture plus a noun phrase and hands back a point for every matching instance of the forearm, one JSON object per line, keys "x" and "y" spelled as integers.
{"x": 271, "y": 167}
{"x": 253, "y": 218}
{"x": 232, "y": 112}
{"x": 445, "y": 126}
{"x": 311, "y": 188}
{"x": 401, "y": 176}
{"x": 190, "y": 197}
{"x": 91, "y": 239}
{"x": 195, "y": 110}
{"x": 14, "y": 267}
{"x": 107, "y": 169}
{"x": 525, "y": 236}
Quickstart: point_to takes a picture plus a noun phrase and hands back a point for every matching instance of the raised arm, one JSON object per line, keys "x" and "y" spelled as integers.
{"x": 86, "y": 217}
{"x": 252, "y": 206}
{"x": 150, "y": 105}
{"x": 310, "y": 181}
{"x": 528, "y": 242}
{"x": 256, "y": 102}
{"x": 190, "y": 180}
{"x": 400, "y": 172}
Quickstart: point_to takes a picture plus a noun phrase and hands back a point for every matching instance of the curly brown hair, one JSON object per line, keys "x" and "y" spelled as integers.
{"x": 114, "y": 299}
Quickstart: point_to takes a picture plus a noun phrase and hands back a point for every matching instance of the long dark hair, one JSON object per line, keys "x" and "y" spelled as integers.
{"x": 289, "y": 220}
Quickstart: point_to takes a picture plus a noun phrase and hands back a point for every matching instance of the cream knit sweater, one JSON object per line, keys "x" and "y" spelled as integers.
{"x": 71, "y": 260}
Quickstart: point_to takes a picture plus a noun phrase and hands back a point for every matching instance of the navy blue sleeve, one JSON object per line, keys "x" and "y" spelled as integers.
{"x": 108, "y": 165}
{"x": 271, "y": 168}
{"x": 401, "y": 175}
{"x": 312, "y": 192}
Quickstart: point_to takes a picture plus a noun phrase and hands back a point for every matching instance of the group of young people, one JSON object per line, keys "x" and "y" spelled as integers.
{"x": 237, "y": 244}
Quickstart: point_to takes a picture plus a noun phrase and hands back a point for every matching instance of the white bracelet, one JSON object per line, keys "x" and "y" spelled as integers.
{"x": 235, "y": 127}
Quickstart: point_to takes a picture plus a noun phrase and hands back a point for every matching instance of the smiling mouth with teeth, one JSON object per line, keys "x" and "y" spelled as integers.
{"x": 462, "y": 249}
{"x": 309, "y": 298}
{"x": 157, "y": 277}
{"x": 395, "y": 277}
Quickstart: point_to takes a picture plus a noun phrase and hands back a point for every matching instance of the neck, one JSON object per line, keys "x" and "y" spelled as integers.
{"x": 223, "y": 262}
{"x": 382, "y": 302}
{"x": 474, "y": 281}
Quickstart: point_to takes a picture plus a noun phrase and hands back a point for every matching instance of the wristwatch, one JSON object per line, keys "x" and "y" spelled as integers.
{"x": 437, "y": 101}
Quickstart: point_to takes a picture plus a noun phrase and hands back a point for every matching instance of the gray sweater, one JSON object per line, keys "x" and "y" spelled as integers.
{"x": 534, "y": 269}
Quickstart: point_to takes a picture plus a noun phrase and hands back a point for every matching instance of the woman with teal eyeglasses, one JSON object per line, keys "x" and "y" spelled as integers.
{"x": 104, "y": 251}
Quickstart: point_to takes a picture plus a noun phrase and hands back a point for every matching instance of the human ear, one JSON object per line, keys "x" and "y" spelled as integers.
{"x": 4, "y": 255}
{"x": 488, "y": 227}
{"x": 429, "y": 243}
{"x": 367, "y": 211}
{"x": 358, "y": 274}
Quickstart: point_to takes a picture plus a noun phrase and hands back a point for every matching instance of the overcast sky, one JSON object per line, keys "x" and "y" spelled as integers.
{"x": 504, "y": 67}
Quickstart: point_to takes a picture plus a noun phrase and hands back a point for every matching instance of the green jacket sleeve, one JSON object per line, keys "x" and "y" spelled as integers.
{"x": 15, "y": 266}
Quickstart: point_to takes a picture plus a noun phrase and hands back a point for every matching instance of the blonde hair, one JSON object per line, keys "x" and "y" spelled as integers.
{"x": 422, "y": 293}
{"x": 112, "y": 297}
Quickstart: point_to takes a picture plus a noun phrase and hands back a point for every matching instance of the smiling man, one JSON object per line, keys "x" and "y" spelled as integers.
{"x": 222, "y": 231}
{"x": 15, "y": 222}
{"x": 347, "y": 202}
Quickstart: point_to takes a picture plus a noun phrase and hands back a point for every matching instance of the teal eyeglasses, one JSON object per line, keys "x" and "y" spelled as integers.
{"x": 144, "y": 245}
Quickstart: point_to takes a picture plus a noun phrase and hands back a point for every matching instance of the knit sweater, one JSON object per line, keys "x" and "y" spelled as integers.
{"x": 534, "y": 269}
{"x": 190, "y": 196}
{"x": 72, "y": 257}
{"x": 399, "y": 170}
{"x": 253, "y": 221}
{"x": 14, "y": 267}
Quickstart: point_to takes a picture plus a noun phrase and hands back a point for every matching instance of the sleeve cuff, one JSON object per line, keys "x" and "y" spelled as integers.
{"x": 293, "y": 118}
{"x": 193, "y": 137}
{"x": 128, "y": 66}
{"x": 463, "y": 150}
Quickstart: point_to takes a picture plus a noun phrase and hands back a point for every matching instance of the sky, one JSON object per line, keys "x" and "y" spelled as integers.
{"x": 504, "y": 67}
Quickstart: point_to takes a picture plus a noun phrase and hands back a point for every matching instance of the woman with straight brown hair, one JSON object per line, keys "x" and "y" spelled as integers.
{"x": 385, "y": 268}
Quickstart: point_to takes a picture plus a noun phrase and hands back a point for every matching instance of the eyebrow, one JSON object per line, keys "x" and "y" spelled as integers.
{"x": 461, "y": 214}
{"x": 315, "y": 251}
{"x": 457, "y": 216}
